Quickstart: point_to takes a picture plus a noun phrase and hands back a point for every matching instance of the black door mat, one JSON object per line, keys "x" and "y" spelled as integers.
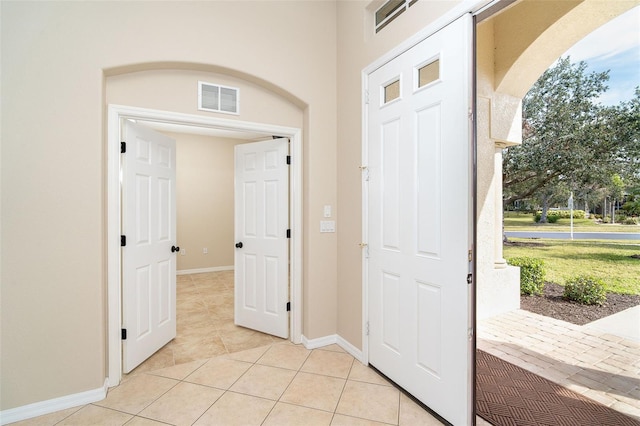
{"x": 507, "y": 395}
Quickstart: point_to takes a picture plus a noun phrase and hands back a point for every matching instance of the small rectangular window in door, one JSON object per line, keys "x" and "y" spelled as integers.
{"x": 428, "y": 73}
{"x": 391, "y": 91}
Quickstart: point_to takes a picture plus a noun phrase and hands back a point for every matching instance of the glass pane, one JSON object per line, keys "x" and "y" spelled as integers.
{"x": 429, "y": 73}
{"x": 392, "y": 91}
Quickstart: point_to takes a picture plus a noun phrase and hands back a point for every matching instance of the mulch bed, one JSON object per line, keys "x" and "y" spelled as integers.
{"x": 507, "y": 395}
{"x": 552, "y": 304}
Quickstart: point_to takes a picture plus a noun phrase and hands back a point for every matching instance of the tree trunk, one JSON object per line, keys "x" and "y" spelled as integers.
{"x": 545, "y": 208}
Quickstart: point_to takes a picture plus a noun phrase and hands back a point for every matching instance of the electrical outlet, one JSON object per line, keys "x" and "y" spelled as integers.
{"x": 183, "y": 252}
{"x": 205, "y": 250}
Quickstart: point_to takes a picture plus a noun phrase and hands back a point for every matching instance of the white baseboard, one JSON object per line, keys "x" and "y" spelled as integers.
{"x": 319, "y": 342}
{"x": 203, "y": 270}
{"x": 45, "y": 407}
{"x": 330, "y": 340}
{"x": 355, "y": 352}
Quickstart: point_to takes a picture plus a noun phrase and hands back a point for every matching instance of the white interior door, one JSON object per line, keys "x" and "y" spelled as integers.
{"x": 420, "y": 222}
{"x": 261, "y": 223}
{"x": 149, "y": 256}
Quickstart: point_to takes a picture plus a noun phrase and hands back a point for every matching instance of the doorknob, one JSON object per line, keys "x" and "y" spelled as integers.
{"x": 174, "y": 249}
{"x": 239, "y": 245}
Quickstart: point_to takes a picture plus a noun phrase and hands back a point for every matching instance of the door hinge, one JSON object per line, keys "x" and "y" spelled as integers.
{"x": 469, "y": 278}
{"x": 470, "y": 255}
{"x": 288, "y": 306}
{"x": 365, "y": 173}
{"x": 288, "y": 233}
{"x": 123, "y": 147}
{"x": 123, "y": 240}
{"x": 288, "y": 159}
{"x": 366, "y": 97}
{"x": 365, "y": 247}
{"x": 123, "y": 333}
{"x": 367, "y": 328}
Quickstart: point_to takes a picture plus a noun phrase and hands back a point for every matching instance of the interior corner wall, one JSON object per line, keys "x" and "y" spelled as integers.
{"x": 359, "y": 47}
{"x": 54, "y": 59}
{"x": 204, "y": 200}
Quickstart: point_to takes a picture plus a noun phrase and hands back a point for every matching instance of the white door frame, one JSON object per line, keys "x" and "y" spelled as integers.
{"x": 118, "y": 112}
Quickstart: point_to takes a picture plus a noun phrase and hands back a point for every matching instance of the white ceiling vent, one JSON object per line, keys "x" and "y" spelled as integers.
{"x": 216, "y": 98}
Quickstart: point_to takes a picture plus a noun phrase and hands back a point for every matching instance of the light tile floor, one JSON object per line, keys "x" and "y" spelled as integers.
{"x": 205, "y": 328}
{"x": 601, "y": 366}
{"x": 280, "y": 384}
{"x": 215, "y": 373}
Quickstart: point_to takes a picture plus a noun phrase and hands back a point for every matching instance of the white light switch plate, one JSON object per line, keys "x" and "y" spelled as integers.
{"x": 327, "y": 226}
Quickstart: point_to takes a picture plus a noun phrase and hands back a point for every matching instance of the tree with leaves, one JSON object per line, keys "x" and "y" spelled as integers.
{"x": 570, "y": 141}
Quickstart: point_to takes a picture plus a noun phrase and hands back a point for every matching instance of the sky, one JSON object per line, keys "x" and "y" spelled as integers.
{"x": 616, "y": 47}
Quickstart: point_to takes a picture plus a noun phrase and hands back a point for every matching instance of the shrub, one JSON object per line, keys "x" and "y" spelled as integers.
{"x": 553, "y": 218}
{"x": 630, "y": 221}
{"x": 586, "y": 290}
{"x": 532, "y": 274}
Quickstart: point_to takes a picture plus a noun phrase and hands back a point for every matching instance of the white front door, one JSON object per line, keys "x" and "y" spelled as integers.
{"x": 149, "y": 253}
{"x": 420, "y": 221}
{"x": 261, "y": 226}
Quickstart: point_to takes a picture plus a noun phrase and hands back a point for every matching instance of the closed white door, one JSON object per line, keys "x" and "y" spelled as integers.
{"x": 420, "y": 221}
{"x": 261, "y": 226}
{"x": 149, "y": 253}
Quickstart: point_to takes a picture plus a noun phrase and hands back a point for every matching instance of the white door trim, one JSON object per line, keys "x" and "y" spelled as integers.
{"x": 115, "y": 114}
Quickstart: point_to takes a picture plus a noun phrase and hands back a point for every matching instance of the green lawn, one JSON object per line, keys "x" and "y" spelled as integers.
{"x": 524, "y": 222}
{"x": 609, "y": 260}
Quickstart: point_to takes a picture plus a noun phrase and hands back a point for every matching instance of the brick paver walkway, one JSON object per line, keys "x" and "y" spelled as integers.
{"x": 603, "y": 367}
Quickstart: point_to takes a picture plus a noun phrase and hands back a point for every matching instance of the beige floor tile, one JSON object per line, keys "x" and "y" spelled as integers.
{"x": 179, "y": 372}
{"x": 332, "y": 348}
{"x": 136, "y": 393}
{"x": 141, "y": 421}
{"x": 219, "y": 372}
{"x": 161, "y": 359}
{"x": 183, "y": 404}
{"x": 233, "y": 409}
{"x": 342, "y": 420}
{"x": 369, "y": 401}
{"x": 362, "y": 373}
{"x": 249, "y": 355}
{"x": 314, "y": 391}
{"x": 413, "y": 414}
{"x": 285, "y": 356}
{"x": 240, "y": 340}
{"x": 264, "y": 382}
{"x": 292, "y": 415}
{"x": 200, "y": 349}
{"x": 92, "y": 415}
{"x": 328, "y": 363}
{"x": 48, "y": 419}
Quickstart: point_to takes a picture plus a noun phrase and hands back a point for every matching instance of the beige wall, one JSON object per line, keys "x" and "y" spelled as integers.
{"x": 55, "y": 56}
{"x": 204, "y": 200}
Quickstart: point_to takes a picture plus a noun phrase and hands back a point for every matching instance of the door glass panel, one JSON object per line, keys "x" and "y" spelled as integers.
{"x": 428, "y": 73}
{"x": 391, "y": 91}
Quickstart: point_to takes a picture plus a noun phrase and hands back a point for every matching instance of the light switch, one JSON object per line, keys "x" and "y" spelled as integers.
{"x": 327, "y": 211}
{"x": 327, "y": 226}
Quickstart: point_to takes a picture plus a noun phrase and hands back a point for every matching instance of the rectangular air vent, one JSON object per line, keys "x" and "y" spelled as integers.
{"x": 217, "y": 98}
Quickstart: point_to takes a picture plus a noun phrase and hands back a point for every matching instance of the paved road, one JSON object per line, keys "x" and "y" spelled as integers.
{"x": 576, "y": 235}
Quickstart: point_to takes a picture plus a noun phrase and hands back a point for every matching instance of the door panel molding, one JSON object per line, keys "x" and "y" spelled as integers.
{"x": 415, "y": 257}
{"x": 115, "y": 113}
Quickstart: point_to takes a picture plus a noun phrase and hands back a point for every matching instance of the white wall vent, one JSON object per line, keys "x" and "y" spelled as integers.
{"x": 217, "y": 98}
